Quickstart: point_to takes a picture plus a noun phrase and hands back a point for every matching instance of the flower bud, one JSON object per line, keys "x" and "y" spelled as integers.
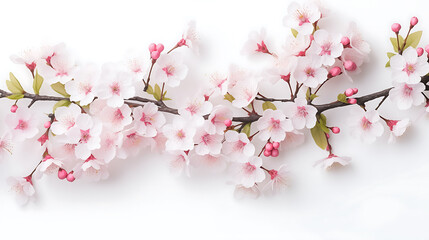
{"x": 350, "y": 66}
{"x": 47, "y": 124}
{"x": 155, "y": 55}
{"x": 352, "y": 100}
{"x": 152, "y": 47}
{"x": 414, "y": 21}
{"x": 276, "y": 145}
{"x": 396, "y": 27}
{"x": 159, "y": 47}
{"x": 355, "y": 90}
{"x": 14, "y": 108}
{"x": 335, "y": 130}
{"x": 269, "y": 146}
{"x": 348, "y": 92}
{"x": 228, "y": 122}
{"x": 345, "y": 41}
{"x": 62, "y": 174}
{"x": 275, "y": 153}
{"x": 267, "y": 153}
{"x": 427, "y": 48}
{"x": 420, "y": 51}
{"x": 70, "y": 177}
{"x": 335, "y": 71}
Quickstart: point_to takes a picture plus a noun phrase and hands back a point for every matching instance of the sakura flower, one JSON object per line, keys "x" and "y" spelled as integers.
{"x": 195, "y": 109}
{"x": 408, "y": 67}
{"x": 326, "y": 48}
{"x": 219, "y": 83}
{"x": 65, "y": 118}
{"x": 406, "y": 95}
{"x": 179, "y": 134}
{"x": 213, "y": 163}
{"x": 397, "y": 128}
{"x": 216, "y": 120}
{"x": 147, "y": 120}
{"x": 309, "y": 71}
{"x": 356, "y": 41}
{"x": 136, "y": 63}
{"x": 249, "y": 172}
{"x": 333, "y": 161}
{"x": 236, "y": 145}
{"x": 242, "y": 192}
{"x": 85, "y": 134}
{"x": 131, "y": 144}
{"x": 302, "y": 17}
{"x": 207, "y": 143}
{"x": 58, "y": 66}
{"x": 352, "y": 56}
{"x": 297, "y": 46}
{"x": 116, "y": 118}
{"x": 23, "y": 124}
{"x": 115, "y": 86}
{"x": 190, "y": 37}
{"x": 82, "y": 87}
{"x": 278, "y": 180}
{"x": 244, "y": 93}
{"x": 49, "y": 165}
{"x": 5, "y": 145}
{"x": 366, "y": 125}
{"x": 28, "y": 58}
{"x": 93, "y": 169}
{"x": 170, "y": 69}
{"x": 274, "y": 125}
{"x": 61, "y": 151}
{"x": 293, "y": 139}
{"x": 301, "y": 114}
{"x": 283, "y": 67}
{"x": 109, "y": 143}
{"x": 256, "y": 43}
{"x": 179, "y": 163}
{"x": 23, "y": 189}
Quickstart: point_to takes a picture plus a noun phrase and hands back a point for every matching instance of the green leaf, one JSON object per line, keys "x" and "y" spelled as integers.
{"x": 268, "y": 105}
{"x": 229, "y": 97}
{"x": 342, "y": 98}
{"x": 60, "y": 88}
{"x": 313, "y": 96}
{"x": 390, "y": 55}
{"x": 413, "y": 39}
{"x": 13, "y": 85}
{"x": 157, "y": 93}
{"x": 37, "y": 83}
{"x": 319, "y": 136}
{"x": 294, "y": 32}
{"x": 149, "y": 90}
{"x": 166, "y": 99}
{"x": 395, "y": 42}
{"x": 246, "y": 129}
{"x": 61, "y": 103}
{"x": 16, "y": 96}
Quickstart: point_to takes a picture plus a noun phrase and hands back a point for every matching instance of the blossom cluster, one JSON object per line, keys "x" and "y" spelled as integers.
{"x": 101, "y": 114}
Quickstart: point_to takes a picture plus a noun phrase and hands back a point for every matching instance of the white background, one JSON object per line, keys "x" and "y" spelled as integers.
{"x": 383, "y": 195}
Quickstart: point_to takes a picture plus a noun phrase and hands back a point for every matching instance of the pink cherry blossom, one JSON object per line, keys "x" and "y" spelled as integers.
{"x": 366, "y": 125}
{"x": 301, "y": 114}
{"x": 244, "y": 92}
{"x": 256, "y": 43}
{"x": 93, "y": 169}
{"x": 190, "y": 37}
{"x": 273, "y": 124}
{"x": 179, "y": 163}
{"x": 406, "y": 95}
{"x": 325, "y": 47}
{"x": 116, "y": 118}
{"x": 49, "y": 165}
{"x": 216, "y": 120}
{"x": 249, "y": 172}
{"x": 65, "y": 118}
{"x": 132, "y": 144}
{"x": 28, "y": 58}
{"x": 302, "y": 17}
{"x": 278, "y": 180}
{"x": 207, "y": 143}
{"x": 408, "y": 67}
{"x": 296, "y": 46}
{"x": 179, "y": 134}
{"x": 194, "y": 110}
{"x": 109, "y": 144}
{"x": 310, "y": 72}
{"x": 219, "y": 83}
{"x": 61, "y": 151}
{"x": 58, "y": 65}
{"x": 212, "y": 163}
{"x": 23, "y": 124}
{"x": 5, "y": 145}
{"x": 333, "y": 161}
{"x": 397, "y": 128}
{"x": 170, "y": 69}
{"x": 115, "y": 86}
{"x": 283, "y": 67}
{"x": 82, "y": 87}
{"x": 357, "y": 42}
{"x": 241, "y": 192}
{"x": 148, "y": 120}
{"x": 23, "y": 189}
{"x": 136, "y": 63}
{"x": 236, "y": 145}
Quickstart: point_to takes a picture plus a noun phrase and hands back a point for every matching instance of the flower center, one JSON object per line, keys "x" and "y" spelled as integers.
{"x": 240, "y": 145}
{"x": 262, "y": 47}
{"x": 181, "y": 134}
{"x": 302, "y": 17}
{"x": 118, "y": 116}
{"x": 84, "y": 136}
{"x": 146, "y": 119}
{"x": 22, "y": 125}
{"x": 326, "y": 49}
{"x": 365, "y": 123}
{"x": 309, "y": 72}
{"x": 169, "y": 70}
{"x": 86, "y": 88}
{"x": 407, "y": 90}
{"x": 249, "y": 168}
{"x": 275, "y": 123}
{"x": 273, "y": 173}
{"x": 409, "y": 69}
{"x": 206, "y": 139}
{"x": 116, "y": 89}
{"x": 302, "y": 111}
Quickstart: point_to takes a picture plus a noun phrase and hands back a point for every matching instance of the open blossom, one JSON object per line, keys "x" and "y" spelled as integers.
{"x": 278, "y": 180}
{"x": 397, "y": 128}
{"x": 49, "y": 165}
{"x": 274, "y": 125}
{"x": 179, "y": 134}
{"x": 28, "y": 58}
{"x": 65, "y": 118}
{"x": 309, "y": 71}
{"x": 256, "y": 43}
{"x": 212, "y": 163}
{"x": 325, "y": 47}
{"x": 170, "y": 69}
{"x": 116, "y": 118}
{"x": 148, "y": 120}
{"x": 207, "y": 143}
{"x": 132, "y": 144}
{"x": 23, "y": 124}
{"x": 333, "y": 161}
{"x": 82, "y": 87}
{"x": 283, "y": 67}
{"x": 85, "y": 134}
{"x": 236, "y": 145}
{"x": 5, "y": 145}
{"x": 301, "y": 114}
{"x": 93, "y": 169}
{"x": 57, "y": 65}
{"x": 408, "y": 67}
{"x": 219, "y": 83}
{"x": 115, "y": 86}
{"x": 366, "y": 125}
{"x": 244, "y": 93}
{"x": 109, "y": 144}
{"x": 190, "y": 37}
{"x": 357, "y": 43}
{"x": 302, "y": 17}
{"x": 179, "y": 163}
{"x": 296, "y": 46}
{"x": 22, "y": 187}
{"x": 241, "y": 192}
{"x": 195, "y": 109}
{"x": 216, "y": 120}
{"x": 136, "y": 63}
{"x": 406, "y": 95}
{"x": 249, "y": 172}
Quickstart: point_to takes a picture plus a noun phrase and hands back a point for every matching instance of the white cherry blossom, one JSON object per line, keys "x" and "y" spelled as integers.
{"x": 83, "y": 87}
{"x": 109, "y": 144}
{"x": 406, "y": 95}
{"x": 194, "y": 110}
{"x": 301, "y": 114}
{"x": 302, "y": 17}
{"x": 237, "y": 146}
{"x": 216, "y": 120}
{"x": 148, "y": 120}
{"x": 408, "y": 67}
{"x": 23, "y": 189}
{"x": 5, "y": 145}
{"x": 249, "y": 172}
{"x": 309, "y": 71}
{"x": 256, "y": 43}
{"x": 49, "y": 165}
{"x": 58, "y": 65}
{"x": 170, "y": 69}
{"x": 179, "y": 134}
{"x": 333, "y": 161}
{"x": 207, "y": 143}
{"x": 65, "y": 118}
{"x": 273, "y": 124}
{"x": 23, "y": 124}
{"x": 326, "y": 47}
{"x": 93, "y": 169}
{"x": 278, "y": 180}
{"x": 115, "y": 85}
{"x": 116, "y": 118}
{"x": 179, "y": 163}
{"x": 397, "y": 128}
{"x": 366, "y": 125}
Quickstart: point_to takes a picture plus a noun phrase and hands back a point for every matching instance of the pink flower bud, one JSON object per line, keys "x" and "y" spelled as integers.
{"x": 350, "y": 66}
{"x": 414, "y": 21}
{"x": 152, "y": 47}
{"x": 227, "y": 122}
{"x": 396, "y": 27}
{"x": 269, "y": 146}
{"x": 427, "y": 48}
{"x": 355, "y": 90}
{"x": 159, "y": 47}
{"x": 335, "y": 71}
{"x": 155, "y": 55}
{"x": 70, "y": 177}
{"x": 47, "y": 124}
{"x": 14, "y": 108}
{"x": 276, "y": 145}
{"x": 349, "y": 92}
{"x": 352, "y": 100}
{"x": 285, "y": 78}
{"x": 267, "y": 153}
{"x": 335, "y": 130}
{"x": 345, "y": 41}
{"x": 420, "y": 51}
{"x": 275, "y": 153}
{"x": 62, "y": 174}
